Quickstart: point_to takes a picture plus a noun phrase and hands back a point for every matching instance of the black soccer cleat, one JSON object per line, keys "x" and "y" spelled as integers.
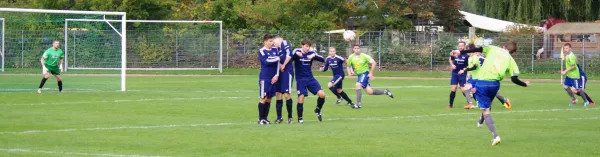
{"x": 318, "y": 113}
{"x": 290, "y": 120}
{"x": 339, "y": 101}
{"x": 278, "y": 121}
{"x": 387, "y": 91}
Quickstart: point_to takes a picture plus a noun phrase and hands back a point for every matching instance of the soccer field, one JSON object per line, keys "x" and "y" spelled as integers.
{"x": 216, "y": 116}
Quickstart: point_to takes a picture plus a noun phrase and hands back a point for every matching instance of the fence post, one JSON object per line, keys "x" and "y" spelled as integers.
{"x": 583, "y": 54}
{"x": 532, "y": 51}
{"x": 176, "y": 48}
{"x": 379, "y": 51}
{"x": 431, "y": 52}
{"x": 22, "y": 48}
{"x": 227, "y": 48}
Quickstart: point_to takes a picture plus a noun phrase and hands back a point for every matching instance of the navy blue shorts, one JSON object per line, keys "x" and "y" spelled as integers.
{"x": 337, "y": 81}
{"x": 363, "y": 79}
{"x": 575, "y": 83}
{"x": 284, "y": 82}
{"x": 458, "y": 79}
{"x": 486, "y": 92}
{"x": 473, "y": 82}
{"x": 304, "y": 86}
{"x": 267, "y": 90}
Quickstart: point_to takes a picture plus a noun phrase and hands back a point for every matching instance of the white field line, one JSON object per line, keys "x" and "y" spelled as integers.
{"x": 542, "y": 119}
{"x": 248, "y": 123}
{"x": 123, "y": 101}
{"x": 19, "y": 150}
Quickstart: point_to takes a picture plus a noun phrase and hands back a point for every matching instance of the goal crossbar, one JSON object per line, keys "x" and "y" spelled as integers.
{"x": 123, "y": 30}
{"x": 220, "y": 66}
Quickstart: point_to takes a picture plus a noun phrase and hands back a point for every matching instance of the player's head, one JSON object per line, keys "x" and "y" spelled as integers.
{"x": 511, "y": 47}
{"x": 56, "y": 44}
{"x": 277, "y": 41}
{"x": 305, "y": 45}
{"x": 472, "y": 46}
{"x": 332, "y": 51}
{"x": 461, "y": 45}
{"x": 567, "y": 47}
{"x": 356, "y": 49}
{"x": 268, "y": 41}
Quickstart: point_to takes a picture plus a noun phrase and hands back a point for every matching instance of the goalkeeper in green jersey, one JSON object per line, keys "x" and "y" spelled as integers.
{"x": 52, "y": 60}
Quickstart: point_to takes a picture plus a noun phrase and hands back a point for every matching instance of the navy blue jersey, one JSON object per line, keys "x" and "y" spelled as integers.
{"x": 303, "y": 64}
{"x": 337, "y": 65}
{"x": 284, "y": 51}
{"x": 269, "y": 63}
{"x": 581, "y": 73}
{"x": 460, "y": 62}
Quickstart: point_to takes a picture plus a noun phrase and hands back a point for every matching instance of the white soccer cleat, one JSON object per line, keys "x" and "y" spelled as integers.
{"x": 39, "y": 91}
{"x": 496, "y": 141}
{"x": 479, "y": 125}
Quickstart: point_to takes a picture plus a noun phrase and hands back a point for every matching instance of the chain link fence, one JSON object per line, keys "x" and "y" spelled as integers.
{"x": 421, "y": 51}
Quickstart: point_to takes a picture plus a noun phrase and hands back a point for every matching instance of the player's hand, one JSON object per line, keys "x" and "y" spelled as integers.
{"x": 274, "y": 80}
{"x": 299, "y": 54}
{"x": 351, "y": 73}
{"x": 563, "y": 72}
{"x": 282, "y": 67}
{"x": 321, "y": 68}
{"x": 371, "y": 76}
{"x": 453, "y": 67}
{"x": 461, "y": 72}
{"x": 527, "y": 83}
{"x": 310, "y": 56}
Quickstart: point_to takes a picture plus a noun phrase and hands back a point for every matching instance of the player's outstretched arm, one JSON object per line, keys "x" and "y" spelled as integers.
{"x": 325, "y": 67}
{"x": 477, "y": 49}
{"x": 373, "y": 66}
{"x": 514, "y": 70}
{"x": 350, "y": 71}
{"x": 318, "y": 58}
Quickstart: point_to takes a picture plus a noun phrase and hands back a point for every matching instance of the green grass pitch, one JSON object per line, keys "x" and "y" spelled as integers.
{"x": 216, "y": 116}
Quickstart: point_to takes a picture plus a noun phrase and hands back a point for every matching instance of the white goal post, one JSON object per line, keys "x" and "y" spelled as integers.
{"x": 220, "y": 43}
{"x": 122, "y": 34}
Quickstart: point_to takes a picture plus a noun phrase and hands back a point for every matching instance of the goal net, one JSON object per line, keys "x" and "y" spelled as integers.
{"x": 152, "y": 44}
{"x": 27, "y": 33}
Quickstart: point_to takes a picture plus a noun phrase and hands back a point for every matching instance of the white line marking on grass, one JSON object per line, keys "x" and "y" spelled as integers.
{"x": 19, "y": 150}
{"x": 540, "y": 119}
{"x": 121, "y": 101}
{"x": 247, "y": 123}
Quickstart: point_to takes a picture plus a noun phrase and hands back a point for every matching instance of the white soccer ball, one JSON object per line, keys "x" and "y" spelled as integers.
{"x": 349, "y": 35}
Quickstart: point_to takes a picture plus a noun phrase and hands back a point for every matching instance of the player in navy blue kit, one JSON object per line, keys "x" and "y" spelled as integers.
{"x": 458, "y": 63}
{"x": 305, "y": 81}
{"x": 269, "y": 73}
{"x": 583, "y": 81}
{"x": 337, "y": 68}
{"x": 286, "y": 77}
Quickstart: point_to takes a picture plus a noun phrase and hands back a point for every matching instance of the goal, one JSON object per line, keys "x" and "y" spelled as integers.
{"x": 30, "y": 31}
{"x": 153, "y": 44}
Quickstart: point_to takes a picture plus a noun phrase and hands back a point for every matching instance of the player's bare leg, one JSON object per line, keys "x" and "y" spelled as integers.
{"x": 320, "y": 102}
{"x": 278, "y": 107}
{"x": 300, "y": 108}
{"x": 44, "y": 78}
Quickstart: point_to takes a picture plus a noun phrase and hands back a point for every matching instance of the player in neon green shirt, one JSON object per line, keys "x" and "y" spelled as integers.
{"x": 358, "y": 64}
{"x": 52, "y": 60}
{"x": 573, "y": 78}
{"x": 498, "y": 62}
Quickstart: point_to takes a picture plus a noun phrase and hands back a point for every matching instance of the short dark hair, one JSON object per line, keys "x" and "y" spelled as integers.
{"x": 464, "y": 43}
{"x": 568, "y": 44}
{"x": 355, "y": 45}
{"x": 471, "y": 46}
{"x": 267, "y": 37}
{"x": 306, "y": 42}
{"x": 511, "y": 46}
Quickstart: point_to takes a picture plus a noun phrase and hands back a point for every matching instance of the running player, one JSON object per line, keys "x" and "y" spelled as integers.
{"x": 573, "y": 78}
{"x": 337, "y": 68}
{"x": 358, "y": 63}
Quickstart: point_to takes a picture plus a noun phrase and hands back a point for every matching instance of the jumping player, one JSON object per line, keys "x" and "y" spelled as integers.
{"x": 52, "y": 60}
{"x": 337, "y": 68}
{"x": 286, "y": 77}
{"x": 305, "y": 80}
{"x": 498, "y": 62}
{"x": 358, "y": 64}
{"x": 269, "y": 73}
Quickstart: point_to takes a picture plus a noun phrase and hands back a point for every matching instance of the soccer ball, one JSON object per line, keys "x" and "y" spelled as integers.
{"x": 349, "y": 35}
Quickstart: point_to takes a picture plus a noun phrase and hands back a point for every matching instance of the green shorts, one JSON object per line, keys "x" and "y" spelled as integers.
{"x": 53, "y": 70}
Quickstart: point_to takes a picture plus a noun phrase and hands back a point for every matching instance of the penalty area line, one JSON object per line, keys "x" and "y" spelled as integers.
{"x": 20, "y": 150}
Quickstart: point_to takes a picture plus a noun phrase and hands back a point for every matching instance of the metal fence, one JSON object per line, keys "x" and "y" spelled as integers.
{"x": 421, "y": 51}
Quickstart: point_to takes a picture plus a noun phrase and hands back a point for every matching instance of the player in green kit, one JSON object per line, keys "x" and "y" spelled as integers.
{"x": 498, "y": 62}
{"x": 52, "y": 60}
{"x": 359, "y": 65}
